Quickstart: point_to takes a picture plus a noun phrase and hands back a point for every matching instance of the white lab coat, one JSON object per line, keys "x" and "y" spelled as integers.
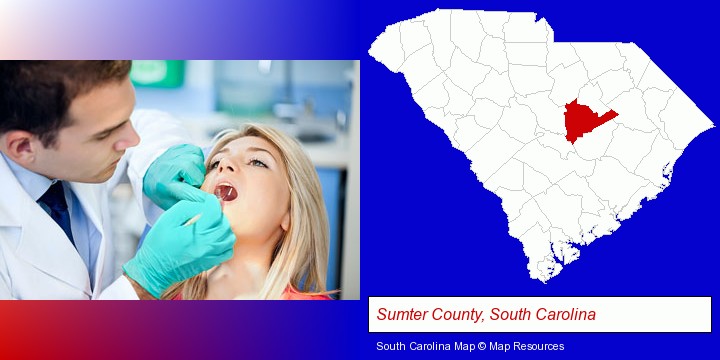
{"x": 37, "y": 260}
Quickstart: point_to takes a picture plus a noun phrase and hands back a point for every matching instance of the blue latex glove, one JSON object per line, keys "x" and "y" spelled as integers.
{"x": 174, "y": 251}
{"x": 175, "y": 175}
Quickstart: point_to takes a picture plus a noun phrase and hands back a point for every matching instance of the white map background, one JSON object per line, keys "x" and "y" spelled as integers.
{"x": 497, "y": 84}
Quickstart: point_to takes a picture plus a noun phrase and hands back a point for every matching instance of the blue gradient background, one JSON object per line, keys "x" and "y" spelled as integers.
{"x": 428, "y": 226}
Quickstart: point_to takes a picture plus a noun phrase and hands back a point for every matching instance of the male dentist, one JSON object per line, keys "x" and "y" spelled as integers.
{"x": 68, "y": 134}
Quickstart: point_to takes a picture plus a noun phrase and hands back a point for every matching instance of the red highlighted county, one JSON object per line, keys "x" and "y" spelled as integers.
{"x": 580, "y": 120}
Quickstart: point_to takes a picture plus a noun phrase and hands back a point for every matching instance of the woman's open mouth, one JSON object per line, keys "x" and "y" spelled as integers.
{"x": 225, "y": 192}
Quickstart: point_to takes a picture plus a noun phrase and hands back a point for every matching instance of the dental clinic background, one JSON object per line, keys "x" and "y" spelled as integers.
{"x": 430, "y": 229}
{"x": 311, "y": 100}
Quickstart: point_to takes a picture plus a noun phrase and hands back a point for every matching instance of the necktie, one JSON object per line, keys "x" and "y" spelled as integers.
{"x": 54, "y": 198}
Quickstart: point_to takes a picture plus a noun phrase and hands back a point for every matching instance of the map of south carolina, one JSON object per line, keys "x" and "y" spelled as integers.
{"x": 571, "y": 136}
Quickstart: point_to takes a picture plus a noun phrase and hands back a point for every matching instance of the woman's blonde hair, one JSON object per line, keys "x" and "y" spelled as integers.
{"x": 301, "y": 256}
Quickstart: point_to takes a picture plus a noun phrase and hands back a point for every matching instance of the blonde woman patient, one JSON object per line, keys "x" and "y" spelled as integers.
{"x": 270, "y": 193}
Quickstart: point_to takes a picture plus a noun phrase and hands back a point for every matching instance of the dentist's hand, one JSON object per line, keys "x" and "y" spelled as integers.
{"x": 175, "y": 175}
{"x": 173, "y": 251}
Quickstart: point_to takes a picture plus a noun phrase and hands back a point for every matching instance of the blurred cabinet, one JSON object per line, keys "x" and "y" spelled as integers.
{"x": 332, "y": 183}
{"x": 321, "y": 89}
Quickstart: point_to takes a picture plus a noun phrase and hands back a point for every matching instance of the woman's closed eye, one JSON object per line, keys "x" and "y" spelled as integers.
{"x": 213, "y": 165}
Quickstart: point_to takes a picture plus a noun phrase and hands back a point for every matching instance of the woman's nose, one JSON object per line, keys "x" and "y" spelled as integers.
{"x": 225, "y": 165}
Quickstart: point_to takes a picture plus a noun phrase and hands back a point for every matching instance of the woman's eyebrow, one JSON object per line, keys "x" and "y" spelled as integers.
{"x": 253, "y": 148}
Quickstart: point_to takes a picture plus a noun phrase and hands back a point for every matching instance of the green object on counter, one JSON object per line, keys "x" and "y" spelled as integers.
{"x": 158, "y": 73}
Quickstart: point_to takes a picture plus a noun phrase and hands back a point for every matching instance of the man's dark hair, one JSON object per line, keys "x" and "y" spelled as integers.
{"x": 35, "y": 96}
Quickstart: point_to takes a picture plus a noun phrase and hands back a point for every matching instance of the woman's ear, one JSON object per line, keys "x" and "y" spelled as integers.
{"x": 285, "y": 224}
{"x": 18, "y": 145}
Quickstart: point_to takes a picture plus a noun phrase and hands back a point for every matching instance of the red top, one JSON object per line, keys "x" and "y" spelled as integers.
{"x": 292, "y": 294}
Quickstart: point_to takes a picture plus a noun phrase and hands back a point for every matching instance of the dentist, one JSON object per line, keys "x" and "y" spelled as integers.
{"x": 68, "y": 135}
